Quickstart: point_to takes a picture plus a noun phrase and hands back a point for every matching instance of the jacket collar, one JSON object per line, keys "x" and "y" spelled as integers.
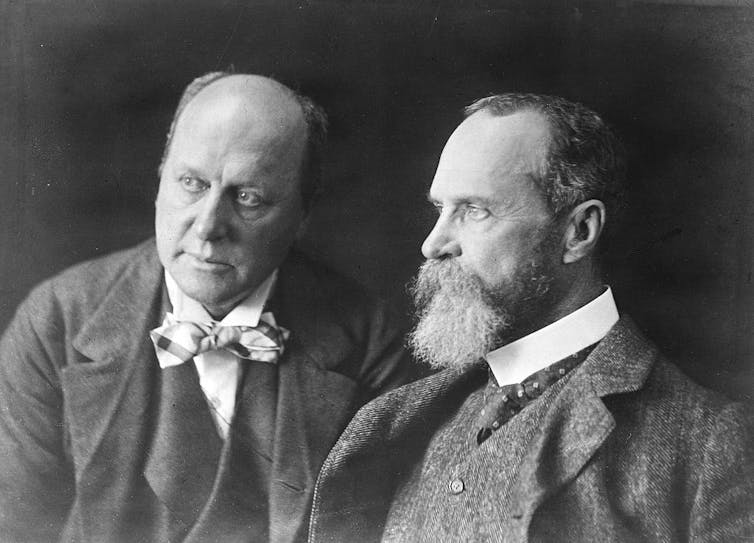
{"x": 578, "y": 422}
{"x": 391, "y": 433}
{"x": 130, "y": 306}
{"x": 314, "y": 402}
{"x": 118, "y": 353}
{"x": 385, "y": 440}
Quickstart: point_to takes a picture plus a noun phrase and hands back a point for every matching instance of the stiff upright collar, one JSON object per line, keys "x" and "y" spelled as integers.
{"x": 513, "y": 362}
{"x": 247, "y": 313}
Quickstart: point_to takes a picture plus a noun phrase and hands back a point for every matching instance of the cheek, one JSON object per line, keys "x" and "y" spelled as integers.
{"x": 169, "y": 223}
{"x": 169, "y": 196}
{"x": 283, "y": 223}
{"x": 495, "y": 268}
{"x": 495, "y": 258}
{"x": 272, "y": 234}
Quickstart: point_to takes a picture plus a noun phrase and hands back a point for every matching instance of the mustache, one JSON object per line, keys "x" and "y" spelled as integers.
{"x": 442, "y": 275}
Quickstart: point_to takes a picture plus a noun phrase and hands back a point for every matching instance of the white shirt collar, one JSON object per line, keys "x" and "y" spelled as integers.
{"x": 247, "y": 313}
{"x": 514, "y": 362}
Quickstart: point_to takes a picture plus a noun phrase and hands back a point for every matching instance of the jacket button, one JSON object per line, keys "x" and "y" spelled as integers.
{"x": 456, "y": 486}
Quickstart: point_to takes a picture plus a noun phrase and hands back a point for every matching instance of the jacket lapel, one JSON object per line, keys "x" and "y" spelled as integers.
{"x": 108, "y": 390}
{"x": 378, "y": 451}
{"x": 578, "y": 422}
{"x": 117, "y": 356}
{"x": 313, "y": 406}
{"x": 126, "y": 412}
{"x": 314, "y": 403}
{"x": 389, "y": 435}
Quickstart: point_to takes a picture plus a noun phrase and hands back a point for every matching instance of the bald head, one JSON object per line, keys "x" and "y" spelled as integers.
{"x": 232, "y": 190}
{"x": 497, "y": 146}
{"x": 244, "y": 113}
{"x": 263, "y": 108}
{"x": 583, "y": 159}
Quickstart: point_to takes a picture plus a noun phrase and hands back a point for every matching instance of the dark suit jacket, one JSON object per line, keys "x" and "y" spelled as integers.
{"x": 78, "y": 397}
{"x": 628, "y": 450}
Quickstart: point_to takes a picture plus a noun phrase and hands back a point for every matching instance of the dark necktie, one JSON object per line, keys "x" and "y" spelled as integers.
{"x": 502, "y": 403}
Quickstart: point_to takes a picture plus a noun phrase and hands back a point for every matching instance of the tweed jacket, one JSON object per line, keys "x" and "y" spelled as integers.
{"x": 627, "y": 449}
{"x": 78, "y": 374}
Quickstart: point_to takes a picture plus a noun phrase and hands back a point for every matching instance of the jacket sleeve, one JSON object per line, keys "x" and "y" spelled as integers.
{"x": 723, "y": 507}
{"x": 36, "y": 479}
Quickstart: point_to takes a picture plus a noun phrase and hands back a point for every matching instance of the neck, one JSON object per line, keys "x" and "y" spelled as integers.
{"x": 219, "y": 311}
{"x": 578, "y": 297}
{"x": 578, "y": 289}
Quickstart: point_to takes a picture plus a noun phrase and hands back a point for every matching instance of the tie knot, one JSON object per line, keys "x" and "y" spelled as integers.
{"x": 177, "y": 342}
{"x": 220, "y": 336}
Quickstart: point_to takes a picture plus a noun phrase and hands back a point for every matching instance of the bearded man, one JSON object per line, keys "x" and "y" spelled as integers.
{"x": 552, "y": 418}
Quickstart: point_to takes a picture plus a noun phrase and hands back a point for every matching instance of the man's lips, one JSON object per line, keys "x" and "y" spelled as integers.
{"x": 207, "y": 263}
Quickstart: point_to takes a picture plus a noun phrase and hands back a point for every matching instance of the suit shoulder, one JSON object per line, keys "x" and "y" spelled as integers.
{"x": 705, "y": 415}
{"x": 669, "y": 383}
{"x": 674, "y": 429}
{"x": 674, "y": 414}
{"x": 77, "y": 290}
{"x": 89, "y": 281}
{"x": 630, "y": 357}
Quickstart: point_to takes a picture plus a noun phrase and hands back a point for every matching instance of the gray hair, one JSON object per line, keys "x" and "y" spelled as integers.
{"x": 316, "y": 123}
{"x": 585, "y": 160}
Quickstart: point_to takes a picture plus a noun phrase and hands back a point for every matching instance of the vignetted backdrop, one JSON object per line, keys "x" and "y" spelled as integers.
{"x": 87, "y": 89}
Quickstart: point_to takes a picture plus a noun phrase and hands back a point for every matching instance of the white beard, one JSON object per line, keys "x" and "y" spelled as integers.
{"x": 457, "y": 325}
{"x": 460, "y": 320}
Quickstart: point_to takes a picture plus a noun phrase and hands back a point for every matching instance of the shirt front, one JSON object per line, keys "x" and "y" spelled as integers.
{"x": 219, "y": 370}
{"x": 514, "y": 362}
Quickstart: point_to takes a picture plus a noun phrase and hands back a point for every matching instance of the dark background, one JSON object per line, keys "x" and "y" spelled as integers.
{"x": 87, "y": 89}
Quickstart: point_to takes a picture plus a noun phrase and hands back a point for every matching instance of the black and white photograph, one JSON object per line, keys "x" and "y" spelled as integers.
{"x": 410, "y": 271}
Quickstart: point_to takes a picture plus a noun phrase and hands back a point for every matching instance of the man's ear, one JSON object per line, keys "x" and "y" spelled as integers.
{"x": 582, "y": 230}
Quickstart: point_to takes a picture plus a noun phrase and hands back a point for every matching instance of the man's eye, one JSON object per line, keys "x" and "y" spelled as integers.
{"x": 192, "y": 184}
{"x": 475, "y": 213}
{"x": 248, "y": 198}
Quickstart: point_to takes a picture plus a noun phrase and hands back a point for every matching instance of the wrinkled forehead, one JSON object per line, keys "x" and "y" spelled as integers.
{"x": 515, "y": 144}
{"x": 494, "y": 160}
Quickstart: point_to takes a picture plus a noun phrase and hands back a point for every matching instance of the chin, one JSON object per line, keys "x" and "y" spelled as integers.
{"x": 211, "y": 298}
{"x": 207, "y": 290}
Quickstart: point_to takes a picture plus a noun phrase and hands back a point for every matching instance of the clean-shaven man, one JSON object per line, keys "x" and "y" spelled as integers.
{"x": 189, "y": 389}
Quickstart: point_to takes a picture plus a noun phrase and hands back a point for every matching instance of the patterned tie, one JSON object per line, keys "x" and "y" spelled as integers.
{"x": 176, "y": 342}
{"x": 502, "y": 403}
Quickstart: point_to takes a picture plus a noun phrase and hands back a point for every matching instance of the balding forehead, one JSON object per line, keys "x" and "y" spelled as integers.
{"x": 527, "y": 127}
{"x": 256, "y": 97}
{"x": 245, "y": 106}
{"x": 517, "y": 143}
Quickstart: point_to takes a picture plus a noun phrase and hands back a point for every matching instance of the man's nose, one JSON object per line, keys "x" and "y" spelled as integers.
{"x": 441, "y": 241}
{"x": 211, "y": 221}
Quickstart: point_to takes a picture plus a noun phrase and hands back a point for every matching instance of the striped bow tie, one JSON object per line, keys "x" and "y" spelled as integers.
{"x": 176, "y": 342}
